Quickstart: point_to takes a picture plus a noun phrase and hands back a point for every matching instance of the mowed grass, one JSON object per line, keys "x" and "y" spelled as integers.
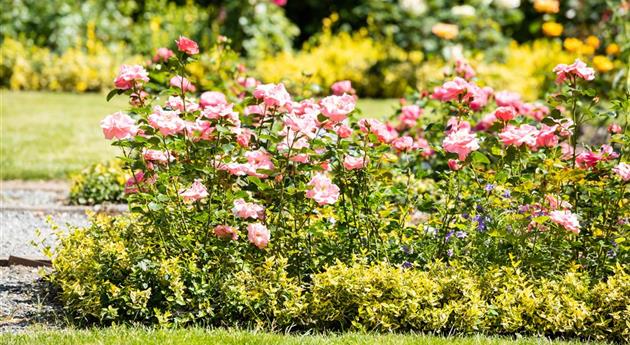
{"x": 46, "y": 135}
{"x": 199, "y": 336}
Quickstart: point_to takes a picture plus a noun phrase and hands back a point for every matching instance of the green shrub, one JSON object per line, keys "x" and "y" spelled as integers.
{"x": 98, "y": 183}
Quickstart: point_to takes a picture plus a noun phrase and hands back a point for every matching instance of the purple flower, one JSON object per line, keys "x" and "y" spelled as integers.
{"x": 461, "y": 234}
{"x": 489, "y": 187}
{"x": 448, "y": 236}
{"x": 407, "y": 264}
{"x": 449, "y": 252}
{"x": 465, "y": 215}
{"x": 481, "y": 222}
{"x": 507, "y": 194}
{"x": 406, "y": 249}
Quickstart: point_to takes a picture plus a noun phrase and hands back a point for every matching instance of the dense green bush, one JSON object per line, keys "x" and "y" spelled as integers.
{"x": 98, "y": 183}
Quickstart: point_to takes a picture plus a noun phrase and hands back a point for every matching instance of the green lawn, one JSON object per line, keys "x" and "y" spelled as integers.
{"x": 46, "y": 135}
{"x": 197, "y": 336}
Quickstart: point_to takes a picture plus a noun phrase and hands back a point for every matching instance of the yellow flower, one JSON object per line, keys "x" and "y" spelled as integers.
{"x": 592, "y": 41}
{"x": 547, "y": 6}
{"x": 552, "y": 29}
{"x": 602, "y": 63}
{"x": 612, "y": 49}
{"x": 445, "y": 31}
{"x": 572, "y": 44}
{"x": 586, "y": 50}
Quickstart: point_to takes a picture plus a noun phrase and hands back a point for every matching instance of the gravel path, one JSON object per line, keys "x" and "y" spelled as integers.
{"x": 23, "y": 300}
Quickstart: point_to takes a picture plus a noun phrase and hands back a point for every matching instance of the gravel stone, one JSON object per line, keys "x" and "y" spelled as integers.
{"x": 24, "y": 300}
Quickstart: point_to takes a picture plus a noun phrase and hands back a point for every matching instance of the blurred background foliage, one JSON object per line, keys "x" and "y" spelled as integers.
{"x": 386, "y": 47}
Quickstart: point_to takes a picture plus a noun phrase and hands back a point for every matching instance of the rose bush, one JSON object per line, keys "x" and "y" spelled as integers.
{"x": 251, "y": 180}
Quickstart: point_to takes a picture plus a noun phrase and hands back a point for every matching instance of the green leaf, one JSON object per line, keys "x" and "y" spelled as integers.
{"x": 479, "y": 157}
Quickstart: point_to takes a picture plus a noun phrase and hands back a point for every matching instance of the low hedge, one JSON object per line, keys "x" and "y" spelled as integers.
{"x": 106, "y": 273}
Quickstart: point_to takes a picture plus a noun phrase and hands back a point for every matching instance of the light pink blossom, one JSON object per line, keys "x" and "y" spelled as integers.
{"x": 450, "y": 90}
{"x": 167, "y": 122}
{"x": 245, "y": 210}
{"x": 518, "y": 136}
{"x": 258, "y": 235}
{"x": 195, "y": 192}
{"x": 322, "y": 190}
{"x": 614, "y": 128}
{"x": 119, "y": 125}
{"x": 409, "y": 115}
{"x": 566, "y": 219}
{"x": 454, "y": 165}
{"x": 212, "y": 98}
{"x": 226, "y": 232}
{"x": 351, "y": 163}
{"x": 404, "y": 143}
{"x": 505, "y": 113}
{"x": 157, "y": 156}
{"x": 547, "y": 136}
{"x": 577, "y": 69}
{"x": 623, "y": 170}
{"x": 461, "y": 142}
{"x": 343, "y": 131}
{"x": 507, "y": 99}
{"x": 130, "y": 76}
{"x": 182, "y": 83}
{"x": 341, "y": 87}
{"x": 163, "y": 54}
{"x": 188, "y": 46}
{"x": 273, "y": 95}
{"x": 337, "y": 108}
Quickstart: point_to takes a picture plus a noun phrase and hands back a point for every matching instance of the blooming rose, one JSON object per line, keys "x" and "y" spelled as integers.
{"x": 384, "y": 132}
{"x": 507, "y": 98}
{"x": 163, "y": 54}
{"x": 534, "y": 110}
{"x": 567, "y": 219}
{"x": 450, "y": 90}
{"x": 182, "y": 83}
{"x": 131, "y": 185}
{"x": 352, "y": 163}
{"x": 588, "y": 159}
{"x": 454, "y": 165}
{"x": 547, "y": 136}
{"x": 517, "y": 136}
{"x": 461, "y": 142}
{"x": 119, "y": 125}
{"x": 212, "y": 98}
{"x": 258, "y": 235}
{"x": 273, "y": 95}
{"x": 157, "y": 156}
{"x": 226, "y": 232}
{"x": 343, "y": 131}
{"x": 614, "y": 128}
{"x": 176, "y": 103}
{"x": 404, "y": 143}
{"x": 577, "y": 69}
{"x": 623, "y": 170}
{"x": 130, "y": 76}
{"x": 167, "y": 122}
{"x": 322, "y": 190}
{"x": 505, "y": 113}
{"x": 243, "y": 209}
{"x": 188, "y": 46}
{"x": 341, "y": 87}
{"x": 337, "y": 108}
{"x": 196, "y": 192}
{"x": 409, "y": 115}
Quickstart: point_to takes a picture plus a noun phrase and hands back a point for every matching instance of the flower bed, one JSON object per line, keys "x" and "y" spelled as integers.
{"x": 249, "y": 204}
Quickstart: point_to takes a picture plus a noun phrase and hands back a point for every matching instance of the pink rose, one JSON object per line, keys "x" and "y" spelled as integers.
{"x": 461, "y": 142}
{"x": 212, "y": 98}
{"x": 305, "y": 124}
{"x": 163, "y": 54}
{"x": 322, "y": 190}
{"x": 547, "y": 136}
{"x": 131, "y": 186}
{"x": 130, "y": 76}
{"x": 243, "y": 209}
{"x": 280, "y": 2}
{"x": 454, "y": 165}
{"x": 403, "y": 143}
{"x": 409, "y": 115}
{"x": 182, "y": 83}
{"x": 577, "y": 69}
{"x": 343, "y": 131}
{"x": 507, "y": 98}
{"x": 588, "y": 159}
{"x": 614, "y": 128}
{"x": 534, "y": 110}
{"x": 176, "y": 103}
{"x": 464, "y": 70}
{"x": 226, "y": 232}
{"x": 384, "y": 132}
{"x": 566, "y": 219}
{"x": 478, "y": 97}
{"x": 119, "y": 125}
{"x": 197, "y": 191}
{"x": 556, "y": 202}
{"x": 337, "y": 108}
{"x": 188, "y": 46}
{"x": 243, "y": 136}
{"x": 273, "y": 95}
{"x": 352, "y": 163}
{"x": 623, "y": 170}
{"x": 167, "y": 122}
{"x": 517, "y": 136}
{"x": 157, "y": 156}
{"x": 505, "y": 113}
{"x": 450, "y": 90}
{"x": 248, "y": 82}
{"x": 423, "y": 144}
{"x": 341, "y": 87}
{"x": 486, "y": 122}
{"x": 258, "y": 235}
